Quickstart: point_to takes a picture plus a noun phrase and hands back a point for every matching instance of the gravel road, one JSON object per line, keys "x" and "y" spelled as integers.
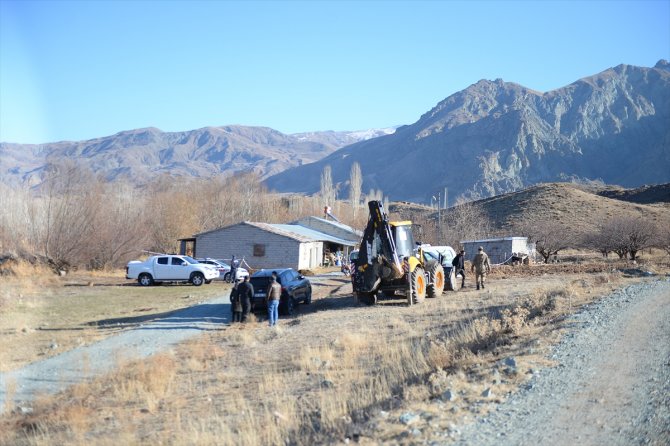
{"x": 611, "y": 385}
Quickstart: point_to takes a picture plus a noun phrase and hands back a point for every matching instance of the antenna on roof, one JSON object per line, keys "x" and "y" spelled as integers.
{"x": 327, "y": 213}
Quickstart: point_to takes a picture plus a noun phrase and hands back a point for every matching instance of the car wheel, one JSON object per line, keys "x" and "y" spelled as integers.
{"x": 197, "y": 279}
{"x": 226, "y": 277}
{"x": 145, "y": 280}
{"x": 288, "y": 308}
{"x": 308, "y": 298}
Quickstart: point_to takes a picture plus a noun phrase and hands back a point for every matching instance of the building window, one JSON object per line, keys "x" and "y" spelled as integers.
{"x": 259, "y": 250}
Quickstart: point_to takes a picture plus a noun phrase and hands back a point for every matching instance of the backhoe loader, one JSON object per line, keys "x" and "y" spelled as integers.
{"x": 388, "y": 265}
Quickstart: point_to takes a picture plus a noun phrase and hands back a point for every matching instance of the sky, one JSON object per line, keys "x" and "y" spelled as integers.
{"x": 76, "y": 70}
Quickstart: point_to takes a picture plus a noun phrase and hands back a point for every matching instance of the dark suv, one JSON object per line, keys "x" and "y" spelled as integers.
{"x": 294, "y": 288}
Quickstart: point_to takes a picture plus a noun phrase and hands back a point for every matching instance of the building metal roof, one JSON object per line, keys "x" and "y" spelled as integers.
{"x": 336, "y": 224}
{"x": 310, "y": 234}
{"x": 292, "y": 231}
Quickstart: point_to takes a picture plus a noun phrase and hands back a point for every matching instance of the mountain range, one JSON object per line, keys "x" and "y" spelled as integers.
{"x": 492, "y": 137}
{"x": 496, "y": 137}
{"x": 139, "y": 155}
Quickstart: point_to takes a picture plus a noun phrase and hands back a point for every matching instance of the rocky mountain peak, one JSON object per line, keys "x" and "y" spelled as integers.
{"x": 495, "y": 137}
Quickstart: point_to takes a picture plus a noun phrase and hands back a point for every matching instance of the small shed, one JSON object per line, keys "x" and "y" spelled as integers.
{"x": 499, "y": 250}
{"x": 266, "y": 245}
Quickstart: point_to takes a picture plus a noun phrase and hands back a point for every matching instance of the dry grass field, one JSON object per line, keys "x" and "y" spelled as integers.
{"x": 336, "y": 372}
{"x": 42, "y": 315}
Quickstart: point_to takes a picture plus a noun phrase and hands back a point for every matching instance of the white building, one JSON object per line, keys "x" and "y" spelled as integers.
{"x": 266, "y": 245}
{"x": 499, "y": 250}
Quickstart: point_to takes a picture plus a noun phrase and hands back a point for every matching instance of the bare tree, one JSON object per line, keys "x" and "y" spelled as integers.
{"x": 71, "y": 200}
{"x": 173, "y": 207}
{"x": 641, "y": 235}
{"x": 327, "y": 189}
{"x": 465, "y": 221}
{"x": 374, "y": 194}
{"x": 663, "y": 240}
{"x": 121, "y": 227}
{"x": 549, "y": 236}
{"x": 19, "y": 219}
{"x": 599, "y": 240}
{"x": 625, "y": 236}
{"x": 355, "y": 187}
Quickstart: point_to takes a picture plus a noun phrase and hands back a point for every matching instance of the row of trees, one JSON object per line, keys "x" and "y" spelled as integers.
{"x": 329, "y": 193}
{"x": 625, "y": 236}
{"x": 75, "y": 218}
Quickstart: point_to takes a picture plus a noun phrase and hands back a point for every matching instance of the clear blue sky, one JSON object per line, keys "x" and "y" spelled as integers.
{"x": 84, "y": 69}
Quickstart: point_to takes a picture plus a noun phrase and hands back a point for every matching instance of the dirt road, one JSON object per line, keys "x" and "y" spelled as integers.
{"x": 54, "y": 374}
{"x": 611, "y": 385}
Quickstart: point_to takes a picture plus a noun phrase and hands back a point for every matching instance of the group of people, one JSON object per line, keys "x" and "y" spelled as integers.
{"x": 480, "y": 265}
{"x": 243, "y": 291}
{"x": 242, "y": 294}
{"x": 332, "y": 259}
{"x": 240, "y": 299}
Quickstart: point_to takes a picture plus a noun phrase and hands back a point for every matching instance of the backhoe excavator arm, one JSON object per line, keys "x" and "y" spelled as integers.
{"x": 378, "y": 256}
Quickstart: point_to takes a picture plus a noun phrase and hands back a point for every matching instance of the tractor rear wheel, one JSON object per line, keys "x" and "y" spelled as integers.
{"x": 417, "y": 285}
{"x": 436, "y": 280}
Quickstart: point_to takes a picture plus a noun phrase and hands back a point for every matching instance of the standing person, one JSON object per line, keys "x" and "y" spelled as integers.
{"x": 274, "y": 294}
{"x": 459, "y": 266}
{"x": 481, "y": 266}
{"x": 245, "y": 293}
{"x": 235, "y": 304}
{"x": 233, "y": 270}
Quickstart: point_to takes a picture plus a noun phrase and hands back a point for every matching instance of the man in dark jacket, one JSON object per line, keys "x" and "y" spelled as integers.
{"x": 245, "y": 291}
{"x": 459, "y": 266}
{"x": 235, "y": 306}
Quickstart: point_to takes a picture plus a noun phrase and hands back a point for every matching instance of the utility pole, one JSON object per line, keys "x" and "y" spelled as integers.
{"x": 439, "y": 216}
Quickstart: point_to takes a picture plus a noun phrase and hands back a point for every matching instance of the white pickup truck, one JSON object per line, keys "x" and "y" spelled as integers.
{"x": 170, "y": 268}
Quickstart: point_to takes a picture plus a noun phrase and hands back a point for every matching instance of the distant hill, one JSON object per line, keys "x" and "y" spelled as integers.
{"x": 642, "y": 195}
{"x": 577, "y": 207}
{"x": 139, "y": 155}
{"x": 496, "y": 137}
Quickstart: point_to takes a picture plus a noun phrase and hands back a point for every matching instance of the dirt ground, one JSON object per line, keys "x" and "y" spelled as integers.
{"x": 80, "y": 312}
{"x": 43, "y": 321}
{"x": 39, "y": 320}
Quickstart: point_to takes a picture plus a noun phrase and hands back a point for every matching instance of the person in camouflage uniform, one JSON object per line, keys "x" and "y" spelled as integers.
{"x": 481, "y": 266}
